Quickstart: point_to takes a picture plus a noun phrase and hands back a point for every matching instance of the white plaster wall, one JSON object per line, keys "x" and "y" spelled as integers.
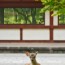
{"x": 9, "y": 34}
{"x": 14, "y": 34}
{"x": 59, "y": 34}
{"x": 55, "y": 19}
{"x": 36, "y": 34}
{"x": 47, "y": 18}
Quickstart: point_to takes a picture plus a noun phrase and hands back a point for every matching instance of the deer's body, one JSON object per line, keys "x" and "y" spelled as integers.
{"x": 33, "y": 59}
{"x": 33, "y": 63}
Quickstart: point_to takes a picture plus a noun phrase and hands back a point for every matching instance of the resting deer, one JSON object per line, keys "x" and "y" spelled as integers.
{"x": 32, "y": 58}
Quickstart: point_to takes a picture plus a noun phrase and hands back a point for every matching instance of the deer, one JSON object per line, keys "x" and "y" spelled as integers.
{"x": 32, "y": 57}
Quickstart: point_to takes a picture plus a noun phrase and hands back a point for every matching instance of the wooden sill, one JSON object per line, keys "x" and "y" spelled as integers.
{"x": 23, "y": 26}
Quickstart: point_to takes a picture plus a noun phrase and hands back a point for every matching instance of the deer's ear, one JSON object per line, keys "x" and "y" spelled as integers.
{"x": 27, "y": 53}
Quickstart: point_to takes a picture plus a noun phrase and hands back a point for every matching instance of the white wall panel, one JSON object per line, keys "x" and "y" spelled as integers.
{"x": 9, "y": 34}
{"x": 36, "y": 34}
{"x": 55, "y": 20}
{"x": 47, "y": 18}
{"x": 59, "y": 34}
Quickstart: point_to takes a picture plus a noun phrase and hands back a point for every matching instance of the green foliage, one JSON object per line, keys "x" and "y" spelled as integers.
{"x": 62, "y": 19}
{"x": 54, "y": 5}
{"x": 23, "y": 16}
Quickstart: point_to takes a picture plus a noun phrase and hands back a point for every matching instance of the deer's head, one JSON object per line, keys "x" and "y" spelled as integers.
{"x": 31, "y": 55}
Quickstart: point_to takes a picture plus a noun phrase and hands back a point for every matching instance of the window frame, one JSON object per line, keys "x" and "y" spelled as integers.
{"x": 23, "y": 4}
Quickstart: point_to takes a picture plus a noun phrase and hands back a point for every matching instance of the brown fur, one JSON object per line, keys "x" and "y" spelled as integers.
{"x": 31, "y": 64}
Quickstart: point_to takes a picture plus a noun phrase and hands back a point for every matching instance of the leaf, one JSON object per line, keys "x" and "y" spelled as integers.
{"x": 46, "y": 8}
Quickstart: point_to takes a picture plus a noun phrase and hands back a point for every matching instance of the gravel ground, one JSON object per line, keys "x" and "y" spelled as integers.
{"x": 22, "y": 59}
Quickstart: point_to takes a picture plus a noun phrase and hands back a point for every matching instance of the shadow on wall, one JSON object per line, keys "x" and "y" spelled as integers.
{"x": 32, "y": 49}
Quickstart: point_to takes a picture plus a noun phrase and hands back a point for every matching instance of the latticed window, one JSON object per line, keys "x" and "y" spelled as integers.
{"x": 21, "y": 16}
{"x": 62, "y": 19}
